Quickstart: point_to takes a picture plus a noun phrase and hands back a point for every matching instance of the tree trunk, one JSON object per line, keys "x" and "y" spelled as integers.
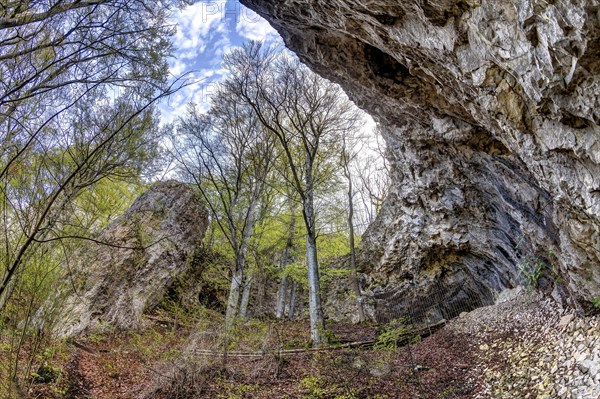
{"x": 354, "y": 276}
{"x": 315, "y": 311}
{"x": 5, "y": 295}
{"x": 233, "y": 302}
{"x": 287, "y": 260}
{"x": 234, "y": 297}
{"x": 292, "y": 308}
{"x": 317, "y": 322}
{"x": 246, "y": 296}
{"x": 281, "y": 297}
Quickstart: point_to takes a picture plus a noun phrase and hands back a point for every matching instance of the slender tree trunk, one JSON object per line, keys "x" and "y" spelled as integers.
{"x": 317, "y": 321}
{"x": 281, "y": 297}
{"x": 354, "y": 276}
{"x": 234, "y": 297}
{"x": 287, "y": 260}
{"x": 233, "y": 302}
{"x": 246, "y": 296}
{"x": 5, "y": 296}
{"x": 292, "y": 307}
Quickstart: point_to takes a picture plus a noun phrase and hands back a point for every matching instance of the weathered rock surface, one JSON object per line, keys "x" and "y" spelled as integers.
{"x": 145, "y": 250}
{"x": 491, "y": 115}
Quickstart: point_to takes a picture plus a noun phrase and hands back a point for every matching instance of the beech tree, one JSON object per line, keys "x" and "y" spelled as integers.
{"x": 308, "y": 115}
{"x": 348, "y": 154}
{"x": 229, "y": 158}
{"x": 372, "y": 173}
{"x": 286, "y": 260}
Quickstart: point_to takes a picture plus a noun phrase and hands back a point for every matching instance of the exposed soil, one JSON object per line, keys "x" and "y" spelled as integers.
{"x": 152, "y": 365}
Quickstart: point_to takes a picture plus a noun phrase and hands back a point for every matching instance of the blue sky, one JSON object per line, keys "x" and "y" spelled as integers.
{"x": 206, "y": 30}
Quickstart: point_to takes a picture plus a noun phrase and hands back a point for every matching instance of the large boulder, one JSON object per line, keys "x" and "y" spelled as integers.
{"x": 491, "y": 112}
{"x": 129, "y": 267}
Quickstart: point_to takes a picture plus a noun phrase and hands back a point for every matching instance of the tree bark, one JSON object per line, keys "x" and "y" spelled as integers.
{"x": 317, "y": 321}
{"x": 234, "y": 297}
{"x": 287, "y": 260}
{"x": 292, "y": 306}
{"x": 246, "y": 296}
{"x": 281, "y": 297}
{"x": 233, "y": 302}
{"x": 5, "y": 295}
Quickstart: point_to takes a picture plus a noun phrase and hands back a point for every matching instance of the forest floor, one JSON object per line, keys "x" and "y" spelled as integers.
{"x": 509, "y": 350}
{"x": 158, "y": 364}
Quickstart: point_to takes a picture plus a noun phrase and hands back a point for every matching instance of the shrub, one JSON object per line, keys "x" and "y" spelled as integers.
{"x": 531, "y": 271}
{"x": 395, "y": 332}
{"x": 596, "y": 302}
{"x": 189, "y": 380}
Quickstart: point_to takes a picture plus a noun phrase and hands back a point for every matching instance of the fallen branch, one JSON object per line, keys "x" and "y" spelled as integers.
{"x": 83, "y": 347}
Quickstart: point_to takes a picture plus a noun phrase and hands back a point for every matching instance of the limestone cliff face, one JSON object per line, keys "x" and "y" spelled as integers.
{"x": 142, "y": 254}
{"x": 491, "y": 111}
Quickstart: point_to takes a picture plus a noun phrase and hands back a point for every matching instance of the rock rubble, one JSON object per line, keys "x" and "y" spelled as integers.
{"x": 528, "y": 347}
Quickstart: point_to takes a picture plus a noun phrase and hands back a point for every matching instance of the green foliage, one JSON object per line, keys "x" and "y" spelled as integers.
{"x": 147, "y": 343}
{"x": 240, "y": 391}
{"x": 333, "y": 245}
{"x": 531, "y": 271}
{"x": 99, "y": 205}
{"x": 315, "y": 387}
{"x": 330, "y": 337}
{"x": 393, "y": 333}
{"x": 246, "y": 336}
{"x": 596, "y": 302}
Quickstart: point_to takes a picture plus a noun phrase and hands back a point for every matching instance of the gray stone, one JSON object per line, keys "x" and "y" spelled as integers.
{"x": 565, "y": 320}
{"x": 584, "y": 366}
{"x": 380, "y": 370}
{"x": 359, "y": 363}
{"x": 147, "y": 250}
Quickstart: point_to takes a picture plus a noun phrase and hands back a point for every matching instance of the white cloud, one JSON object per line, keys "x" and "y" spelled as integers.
{"x": 177, "y": 67}
{"x": 221, "y": 47}
{"x": 252, "y": 27}
{"x": 196, "y": 23}
{"x": 201, "y": 85}
{"x": 204, "y": 34}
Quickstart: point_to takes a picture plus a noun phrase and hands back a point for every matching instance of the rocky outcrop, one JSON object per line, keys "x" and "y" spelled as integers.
{"x": 128, "y": 269}
{"x": 490, "y": 111}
